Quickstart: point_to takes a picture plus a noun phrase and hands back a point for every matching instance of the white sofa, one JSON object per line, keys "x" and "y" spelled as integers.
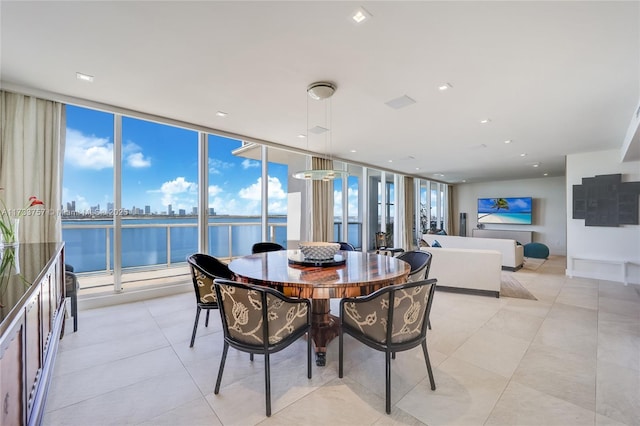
{"x": 466, "y": 269}
{"x": 512, "y": 254}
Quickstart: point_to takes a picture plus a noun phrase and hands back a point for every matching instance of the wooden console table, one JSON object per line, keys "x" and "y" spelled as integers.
{"x": 31, "y": 317}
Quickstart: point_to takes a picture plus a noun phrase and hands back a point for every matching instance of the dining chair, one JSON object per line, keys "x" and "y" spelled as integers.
{"x": 260, "y": 320}
{"x": 204, "y": 269}
{"x": 71, "y": 290}
{"x": 265, "y": 246}
{"x": 392, "y": 319}
{"x": 344, "y": 246}
{"x": 420, "y": 262}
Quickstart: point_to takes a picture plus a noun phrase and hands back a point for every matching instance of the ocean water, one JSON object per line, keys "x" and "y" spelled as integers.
{"x": 159, "y": 241}
{"x": 508, "y": 218}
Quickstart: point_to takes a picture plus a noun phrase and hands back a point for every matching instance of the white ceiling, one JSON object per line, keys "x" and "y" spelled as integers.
{"x": 556, "y": 78}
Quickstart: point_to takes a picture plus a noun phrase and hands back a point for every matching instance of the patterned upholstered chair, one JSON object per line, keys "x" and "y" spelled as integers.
{"x": 260, "y": 320}
{"x": 344, "y": 246}
{"x": 420, "y": 262}
{"x": 204, "y": 269}
{"x": 265, "y": 246}
{"x": 392, "y": 319}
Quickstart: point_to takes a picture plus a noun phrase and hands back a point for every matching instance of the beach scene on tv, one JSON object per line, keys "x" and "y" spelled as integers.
{"x": 515, "y": 211}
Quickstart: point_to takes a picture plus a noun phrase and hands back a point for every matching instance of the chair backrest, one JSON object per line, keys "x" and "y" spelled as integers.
{"x": 260, "y": 317}
{"x": 405, "y": 306}
{"x": 346, "y": 246}
{"x": 420, "y": 262}
{"x": 205, "y": 269}
{"x": 265, "y": 246}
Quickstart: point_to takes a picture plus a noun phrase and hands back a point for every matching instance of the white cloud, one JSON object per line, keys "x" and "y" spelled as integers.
{"x": 246, "y": 164}
{"x": 92, "y": 152}
{"x": 88, "y": 152}
{"x": 214, "y": 190}
{"x": 178, "y": 192}
{"x": 137, "y": 160}
{"x": 216, "y": 166}
{"x": 254, "y": 192}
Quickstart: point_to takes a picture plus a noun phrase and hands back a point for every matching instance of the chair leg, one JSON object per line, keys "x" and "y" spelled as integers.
{"x": 308, "y": 355}
{"x": 206, "y": 320}
{"x": 251, "y": 357}
{"x": 340, "y": 351}
{"x": 393, "y": 355}
{"x": 74, "y": 310}
{"x": 426, "y": 358}
{"x": 267, "y": 383}
{"x": 195, "y": 327}
{"x": 429, "y": 324}
{"x": 387, "y": 390}
{"x": 225, "y": 349}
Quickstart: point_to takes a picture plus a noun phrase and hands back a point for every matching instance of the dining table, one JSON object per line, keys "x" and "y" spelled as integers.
{"x": 348, "y": 274}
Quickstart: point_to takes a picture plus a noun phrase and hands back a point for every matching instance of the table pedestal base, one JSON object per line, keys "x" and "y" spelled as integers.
{"x": 324, "y": 327}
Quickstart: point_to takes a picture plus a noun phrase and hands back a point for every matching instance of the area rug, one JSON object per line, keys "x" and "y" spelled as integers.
{"x": 531, "y": 263}
{"x": 511, "y": 287}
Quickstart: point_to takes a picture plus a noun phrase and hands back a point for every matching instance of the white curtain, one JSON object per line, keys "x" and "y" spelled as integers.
{"x": 32, "y": 133}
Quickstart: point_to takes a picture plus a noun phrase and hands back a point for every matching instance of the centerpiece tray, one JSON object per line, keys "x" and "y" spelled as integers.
{"x": 298, "y": 258}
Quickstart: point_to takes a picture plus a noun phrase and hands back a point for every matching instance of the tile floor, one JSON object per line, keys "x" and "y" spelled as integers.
{"x": 570, "y": 358}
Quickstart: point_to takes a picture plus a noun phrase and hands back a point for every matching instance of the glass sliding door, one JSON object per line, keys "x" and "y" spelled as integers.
{"x": 159, "y": 193}
{"x": 87, "y": 195}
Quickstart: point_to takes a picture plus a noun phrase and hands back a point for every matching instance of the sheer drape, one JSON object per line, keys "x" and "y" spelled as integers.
{"x": 409, "y": 214}
{"x": 31, "y": 158}
{"x": 322, "y": 214}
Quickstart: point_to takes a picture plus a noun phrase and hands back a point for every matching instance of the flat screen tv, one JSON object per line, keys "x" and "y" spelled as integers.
{"x": 514, "y": 211}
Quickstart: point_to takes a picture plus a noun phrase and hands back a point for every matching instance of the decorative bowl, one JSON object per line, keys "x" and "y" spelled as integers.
{"x": 317, "y": 250}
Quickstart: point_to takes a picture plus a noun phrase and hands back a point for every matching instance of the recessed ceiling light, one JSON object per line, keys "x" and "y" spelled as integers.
{"x": 360, "y": 16}
{"x": 485, "y": 121}
{"x": 417, "y": 168}
{"x": 301, "y": 136}
{"x": 545, "y": 174}
{"x": 536, "y": 164}
{"x": 524, "y": 154}
{"x": 391, "y": 161}
{"x": 221, "y": 114}
{"x": 508, "y": 141}
{"x": 445, "y": 86}
{"x": 84, "y": 77}
{"x": 353, "y": 150}
{"x": 464, "y": 180}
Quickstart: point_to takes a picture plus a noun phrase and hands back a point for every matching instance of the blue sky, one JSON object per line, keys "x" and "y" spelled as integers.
{"x": 159, "y": 167}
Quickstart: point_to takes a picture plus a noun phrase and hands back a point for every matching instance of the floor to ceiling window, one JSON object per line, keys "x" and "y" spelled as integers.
{"x": 87, "y": 190}
{"x": 159, "y": 192}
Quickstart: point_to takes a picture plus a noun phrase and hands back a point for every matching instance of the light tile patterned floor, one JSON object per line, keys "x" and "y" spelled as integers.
{"x": 570, "y": 358}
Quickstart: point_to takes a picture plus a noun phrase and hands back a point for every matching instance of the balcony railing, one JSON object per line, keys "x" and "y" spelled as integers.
{"x": 153, "y": 246}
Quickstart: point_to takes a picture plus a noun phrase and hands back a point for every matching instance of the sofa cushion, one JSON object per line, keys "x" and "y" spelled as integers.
{"x": 512, "y": 254}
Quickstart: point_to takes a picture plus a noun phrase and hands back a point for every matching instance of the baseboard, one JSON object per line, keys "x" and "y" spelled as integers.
{"x": 468, "y": 291}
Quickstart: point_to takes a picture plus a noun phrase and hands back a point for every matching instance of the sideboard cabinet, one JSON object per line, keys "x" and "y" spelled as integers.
{"x": 31, "y": 318}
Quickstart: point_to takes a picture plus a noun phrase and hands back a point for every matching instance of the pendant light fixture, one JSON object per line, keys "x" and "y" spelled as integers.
{"x": 321, "y": 91}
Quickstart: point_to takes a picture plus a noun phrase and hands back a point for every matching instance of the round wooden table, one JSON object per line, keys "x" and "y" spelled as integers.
{"x": 361, "y": 273}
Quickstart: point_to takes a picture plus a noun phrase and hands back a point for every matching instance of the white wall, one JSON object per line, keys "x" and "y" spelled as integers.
{"x": 549, "y": 207}
{"x": 604, "y": 243}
